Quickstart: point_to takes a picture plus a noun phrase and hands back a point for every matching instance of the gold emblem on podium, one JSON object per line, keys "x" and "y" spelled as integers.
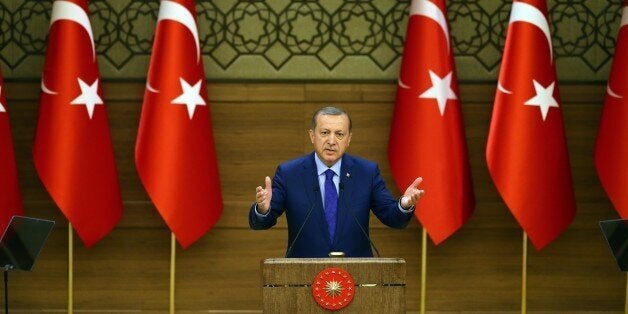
{"x": 333, "y": 288}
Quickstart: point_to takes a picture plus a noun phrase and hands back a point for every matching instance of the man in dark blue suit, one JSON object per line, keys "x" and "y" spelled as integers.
{"x": 327, "y": 195}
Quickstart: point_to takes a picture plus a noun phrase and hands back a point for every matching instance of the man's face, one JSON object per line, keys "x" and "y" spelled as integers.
{"x": 331, "y": 137}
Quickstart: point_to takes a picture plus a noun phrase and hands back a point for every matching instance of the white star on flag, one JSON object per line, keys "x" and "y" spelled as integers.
{"x": 440, "y": 91}
{"x": 1, "y": 106}
{"x": 544, "y": 98}
{"x": 88, "y": 97}
{"x": 190, "y": 97}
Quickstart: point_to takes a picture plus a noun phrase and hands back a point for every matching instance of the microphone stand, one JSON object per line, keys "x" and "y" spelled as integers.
{"x": 357, "y": 221}
{"x": 309, "y": 212}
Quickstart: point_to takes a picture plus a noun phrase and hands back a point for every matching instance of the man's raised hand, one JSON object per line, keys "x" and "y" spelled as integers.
{"x": 263, "y": 197}
{"x": 412, "y": 194}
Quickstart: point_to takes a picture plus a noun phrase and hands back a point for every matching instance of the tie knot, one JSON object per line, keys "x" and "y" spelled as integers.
{"x": 329, "y": 174}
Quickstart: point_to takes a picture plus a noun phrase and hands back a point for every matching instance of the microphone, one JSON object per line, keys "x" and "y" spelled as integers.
{"x": 341, "y": 188}
{"x": 309, "y": 212}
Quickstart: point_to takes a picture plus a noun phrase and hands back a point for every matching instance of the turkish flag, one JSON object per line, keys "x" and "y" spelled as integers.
{"x": 611, "y": 147}
{"x": 427, "y": 133}
{"x": 174, "y": 153}
{"x": 526, "y": 150}
{"x": 73, "y": 154}
{"x": 10, "y": 200}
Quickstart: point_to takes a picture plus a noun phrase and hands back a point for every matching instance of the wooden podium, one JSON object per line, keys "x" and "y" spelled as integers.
{"x": 380, "y": 284}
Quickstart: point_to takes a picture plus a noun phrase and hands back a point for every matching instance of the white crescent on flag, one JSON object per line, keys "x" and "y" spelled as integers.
{"x": 46, "y": 89}
{"x": 65, "y": 10}
{"x": 502, "y": 89}
{"x": 624, "y": 22}
{"x": 611, "y": 93}
{"x": 431, "y": 11}
{"x": 150, "y": 88}
{"x": 173, "y": 11}
{"x": 1, "y": 106}
{"x": 169, "y": 10}
{"x": 523, "y": 12}
{"x": 401, "y": 84}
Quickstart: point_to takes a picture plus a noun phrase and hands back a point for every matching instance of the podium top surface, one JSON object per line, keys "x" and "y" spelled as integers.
{"x": 335, "y": 260}
{"x": 301, "y": 271}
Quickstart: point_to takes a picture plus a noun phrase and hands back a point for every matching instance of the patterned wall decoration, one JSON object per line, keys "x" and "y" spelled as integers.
{"x": 350, "y": 40}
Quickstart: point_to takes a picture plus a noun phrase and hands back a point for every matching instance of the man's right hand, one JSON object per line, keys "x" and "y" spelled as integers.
{"x": 263, "y": 197}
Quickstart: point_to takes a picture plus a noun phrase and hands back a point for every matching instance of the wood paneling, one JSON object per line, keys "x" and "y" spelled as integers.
{"x": 258, "y": 126}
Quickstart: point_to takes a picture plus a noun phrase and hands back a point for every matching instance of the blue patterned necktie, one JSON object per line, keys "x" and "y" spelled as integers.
{"x": 331, "y": 202}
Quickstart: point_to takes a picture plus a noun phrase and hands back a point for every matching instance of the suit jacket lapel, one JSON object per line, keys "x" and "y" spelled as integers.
{"x": 310, "y": 180}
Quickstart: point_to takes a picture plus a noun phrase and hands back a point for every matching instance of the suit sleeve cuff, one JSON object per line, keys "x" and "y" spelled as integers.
{"x": 403, "y": 210}
{"x": 268, "y": 212}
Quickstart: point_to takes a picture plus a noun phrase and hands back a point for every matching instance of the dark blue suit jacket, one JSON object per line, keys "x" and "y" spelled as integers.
{"x": 296, "y": 192}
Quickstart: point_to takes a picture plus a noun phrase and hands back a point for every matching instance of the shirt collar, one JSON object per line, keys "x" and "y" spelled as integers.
{"x": 321, "y": 167}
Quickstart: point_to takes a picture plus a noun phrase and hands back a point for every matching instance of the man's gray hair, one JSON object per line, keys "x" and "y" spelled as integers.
{"x": 332, "y": 111}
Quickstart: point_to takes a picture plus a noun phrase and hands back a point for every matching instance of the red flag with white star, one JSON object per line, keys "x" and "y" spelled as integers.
{"x": 427, "y": 133}
{"x": 611, "y": 146}
{"x": 73, "y": 153}
{"x": 174, "y": 153}
{"x": 10, "y": 200}
{"x": 527, "y": 150}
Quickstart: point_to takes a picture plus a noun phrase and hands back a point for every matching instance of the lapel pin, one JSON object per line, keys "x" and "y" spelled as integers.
{"x": 348, "y": 175}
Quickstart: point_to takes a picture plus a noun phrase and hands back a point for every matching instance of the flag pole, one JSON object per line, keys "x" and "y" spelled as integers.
{"x": 626, "y": 301}
{"x": 70, "y": 270}
{"x": 173, "y": 252}
{"x": 423, "y": 268}
{"x": 524, "y": 274}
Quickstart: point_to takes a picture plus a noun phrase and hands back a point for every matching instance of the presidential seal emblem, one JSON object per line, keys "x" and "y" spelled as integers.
{"x": 333, "y": 288}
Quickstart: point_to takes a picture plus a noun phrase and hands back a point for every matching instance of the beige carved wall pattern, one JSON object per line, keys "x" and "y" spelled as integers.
{"x": 346, "y": 40}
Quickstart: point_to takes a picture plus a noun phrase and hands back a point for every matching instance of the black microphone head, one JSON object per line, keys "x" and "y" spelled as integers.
{"x": 341, "y": 186}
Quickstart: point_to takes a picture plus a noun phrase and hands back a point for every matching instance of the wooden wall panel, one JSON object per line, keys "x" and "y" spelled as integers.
{"x": 259, "y": 125}
{"x": 129, "y": 270}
